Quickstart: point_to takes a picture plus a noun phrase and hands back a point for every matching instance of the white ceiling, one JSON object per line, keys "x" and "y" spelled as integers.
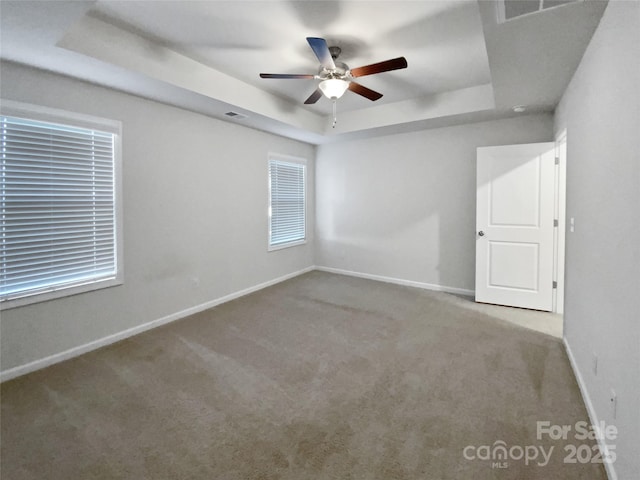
{"x": 207, "y": 55}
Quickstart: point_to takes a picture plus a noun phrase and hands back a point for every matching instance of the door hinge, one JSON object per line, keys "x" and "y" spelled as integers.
{"x": 557, "y": 160}
{"x": 555, "y": 222}
{"x": 555, "y": 284}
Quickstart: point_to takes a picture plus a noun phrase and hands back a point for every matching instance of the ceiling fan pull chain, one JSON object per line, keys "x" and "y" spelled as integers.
{"x": 334, "y": 114}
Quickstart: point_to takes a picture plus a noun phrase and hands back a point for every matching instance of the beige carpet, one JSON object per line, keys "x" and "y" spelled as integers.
{"x": 320, "y": 377}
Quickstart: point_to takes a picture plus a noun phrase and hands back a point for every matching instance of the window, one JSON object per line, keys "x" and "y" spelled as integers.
{"x": 509, "y": 9}
{"x": 59, "y": 214}
{"x": 286, "y": 201}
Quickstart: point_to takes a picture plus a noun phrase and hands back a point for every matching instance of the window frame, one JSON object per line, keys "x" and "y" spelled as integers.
{"x": 58, "y": 116}
{"x": 292, "y": 160}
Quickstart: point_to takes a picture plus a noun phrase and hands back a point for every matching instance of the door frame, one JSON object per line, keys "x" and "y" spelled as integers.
{"x": 559, "y": 235}
{"x": 560, "y": 214}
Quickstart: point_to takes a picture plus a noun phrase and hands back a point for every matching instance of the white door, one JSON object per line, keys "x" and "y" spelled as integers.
{"x": 514, "y": 225}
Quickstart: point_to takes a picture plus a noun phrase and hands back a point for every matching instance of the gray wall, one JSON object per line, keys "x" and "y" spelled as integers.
{"x": 403, "y": 206}
{"x": 601, "y": 112}
{"x": 195, "y": 206}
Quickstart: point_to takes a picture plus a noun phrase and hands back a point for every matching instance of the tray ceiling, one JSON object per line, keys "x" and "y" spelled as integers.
{"x": 206, "y": 56}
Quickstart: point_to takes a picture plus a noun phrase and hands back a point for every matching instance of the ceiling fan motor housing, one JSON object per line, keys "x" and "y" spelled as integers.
{"x": 340, "y": 71}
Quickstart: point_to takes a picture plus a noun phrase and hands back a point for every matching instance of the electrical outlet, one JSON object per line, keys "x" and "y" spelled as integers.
{"x": 595, "y": 364}
{"x": 613, "y": 400}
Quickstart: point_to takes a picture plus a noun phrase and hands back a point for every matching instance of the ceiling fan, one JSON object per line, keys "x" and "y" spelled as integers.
{"x": 336, "y": 77}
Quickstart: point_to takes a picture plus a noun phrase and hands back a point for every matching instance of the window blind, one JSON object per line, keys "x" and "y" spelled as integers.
{"x": 287, "y": 202}
{"x": 57, "y": 207}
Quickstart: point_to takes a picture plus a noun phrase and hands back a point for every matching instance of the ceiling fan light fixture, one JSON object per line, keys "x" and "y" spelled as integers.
{"x": 333, "y": 88}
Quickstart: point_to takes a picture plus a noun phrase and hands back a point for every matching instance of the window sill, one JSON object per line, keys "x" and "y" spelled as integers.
{"x": 62, "y": 292}
{"x": 282, "y": 246}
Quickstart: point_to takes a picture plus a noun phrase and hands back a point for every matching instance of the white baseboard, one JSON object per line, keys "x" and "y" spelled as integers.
{"x": 101, "y": 342}
{"x": 593, "y": 416}
{"x": 399, "y": 281}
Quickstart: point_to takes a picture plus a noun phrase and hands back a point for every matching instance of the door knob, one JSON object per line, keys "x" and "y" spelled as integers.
{"x": 481, "y": 233}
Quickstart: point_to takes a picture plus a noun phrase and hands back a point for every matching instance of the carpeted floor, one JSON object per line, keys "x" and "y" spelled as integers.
{"x": 320, "y": 377}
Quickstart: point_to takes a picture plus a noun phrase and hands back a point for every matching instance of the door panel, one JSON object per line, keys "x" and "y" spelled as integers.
{"x": 513, "y": 195}
{"x": 513, "y": 265}
{"x": 514, "y": 225}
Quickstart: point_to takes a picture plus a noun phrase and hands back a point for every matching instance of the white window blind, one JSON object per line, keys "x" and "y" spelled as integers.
{"x": 286, "y": 202}
{"x": 57, "y": 207}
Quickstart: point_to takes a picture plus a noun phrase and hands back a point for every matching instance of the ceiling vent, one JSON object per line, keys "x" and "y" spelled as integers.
{"x": 236, "y": 115}
{"x": 510, "y": 9}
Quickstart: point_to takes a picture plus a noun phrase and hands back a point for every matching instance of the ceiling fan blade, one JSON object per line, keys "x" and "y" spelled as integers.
{"x": 394, "y": 64}
{"x": 286, "y": 75}
{"x": 320, "y": 48}
{"x": 364, "y": 91}
{"x": 314, "y": 97}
